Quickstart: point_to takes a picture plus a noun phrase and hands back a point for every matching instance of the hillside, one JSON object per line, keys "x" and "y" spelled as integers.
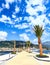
{"x": 10, "y": 43}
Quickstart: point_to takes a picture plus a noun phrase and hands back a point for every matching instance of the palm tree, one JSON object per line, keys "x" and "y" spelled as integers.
{"x": 38, "y": 32}
{"x": 28, "y": 45}
{"x": 14, "y": 46}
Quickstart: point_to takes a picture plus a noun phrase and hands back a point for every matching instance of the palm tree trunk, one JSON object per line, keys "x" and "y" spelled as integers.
{"x": 40, "y": 47}
{"x": 14, "y": 46}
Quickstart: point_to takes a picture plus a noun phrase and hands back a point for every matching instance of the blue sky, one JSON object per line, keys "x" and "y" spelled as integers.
{"x": 17, "y": 18}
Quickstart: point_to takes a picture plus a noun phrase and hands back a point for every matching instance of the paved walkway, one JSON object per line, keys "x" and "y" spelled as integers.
{"x": 25, "y": 58}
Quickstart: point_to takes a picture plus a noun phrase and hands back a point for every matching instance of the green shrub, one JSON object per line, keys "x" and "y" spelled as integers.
{"x": 13, "y": 52}
{"x": 30, "y": 51}
{"x": 43, "y": 56}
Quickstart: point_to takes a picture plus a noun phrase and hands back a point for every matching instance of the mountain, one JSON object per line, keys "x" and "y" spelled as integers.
{"x": 46, "y": 44}
{"x": 11, "y": 43}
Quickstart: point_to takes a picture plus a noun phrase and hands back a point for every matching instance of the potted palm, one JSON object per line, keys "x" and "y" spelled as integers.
{"x": 38, "y": 30}
{"x": 14, "y": 49}
{"x": 28, "y": 46}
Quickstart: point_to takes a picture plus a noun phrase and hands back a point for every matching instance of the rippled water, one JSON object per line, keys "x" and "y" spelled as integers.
{"x": 4, "y": 52}
{"x": 44, "y": 51}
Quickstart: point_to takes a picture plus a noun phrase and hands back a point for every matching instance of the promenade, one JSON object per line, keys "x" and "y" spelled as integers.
{"x": 25, "y": 58}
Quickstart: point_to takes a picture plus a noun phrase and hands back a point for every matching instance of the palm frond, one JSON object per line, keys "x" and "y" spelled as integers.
{"x": 38, "y": 30}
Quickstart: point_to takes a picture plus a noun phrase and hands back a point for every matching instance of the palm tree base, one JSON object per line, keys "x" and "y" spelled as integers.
{"x": 13, "y": 52}
{"x": 43, "y": 56}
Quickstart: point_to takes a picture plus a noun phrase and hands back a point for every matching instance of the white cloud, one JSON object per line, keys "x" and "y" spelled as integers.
{"x": 49, "y": 14}
{"x": 28, "y": 30}
{"x": 3, "y": 5}
{"x": 48, "y": 28}
{"x": 7, "y": 6}
{"x": 45, "y": 36}
{"x": 41, "y": 8}
{"x": 24, "y": 37}
{"x": 9, "y": 1}
{"x": 35, "y": 41}
{"x": 13, "y": 16}
{"x": 3, "y": 35}
{"x": 22, "y": 26}
{"x": 34, "y": 2}
{"x": 45, "y": 33}
{"x": 26, "y": 18}
{"x": 17, "y": 26}
{"x": 6, "y": 19}
{"x": 45, "y": 2}
{"x": 37, "y": 21}
{"x": 41, "y": 20}
{"x": 1, "y": 9}
{"x": 18, "y": 19}
{"x": 33, "y": 11}
{"x": 16, "y": 9}
{"x": 13, "y": 32}
{"x": 46, "y": 21}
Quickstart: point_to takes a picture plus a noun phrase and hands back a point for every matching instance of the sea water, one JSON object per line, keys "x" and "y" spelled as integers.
{"x": 44, "y": 51}
{"x": 4, "y": 52}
